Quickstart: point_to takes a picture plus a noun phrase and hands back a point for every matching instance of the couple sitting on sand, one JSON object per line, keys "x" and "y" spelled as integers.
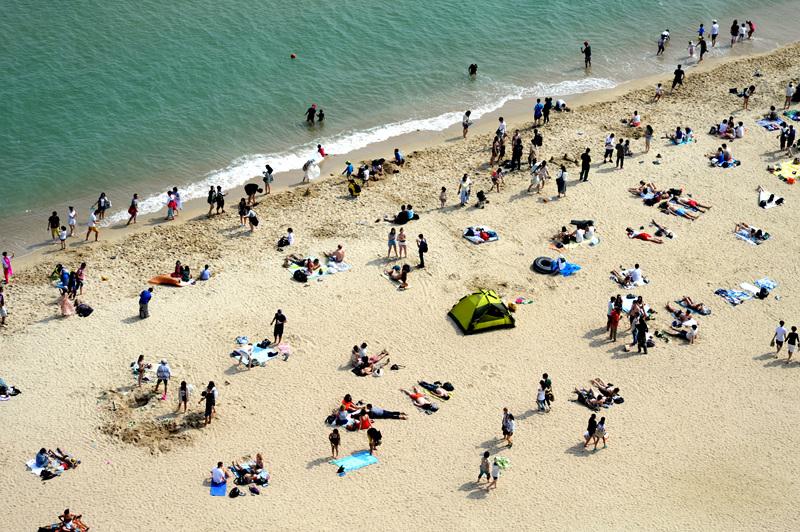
{"x": 628, "y": 278}
{"x": 309, "y": 265}
{"x": 364, "y": 365}
{"x": 680, "y": 136}
{"x": 57, "y": 461}
{"x": 584, "y": 231}
{"x": 252, "y": 472}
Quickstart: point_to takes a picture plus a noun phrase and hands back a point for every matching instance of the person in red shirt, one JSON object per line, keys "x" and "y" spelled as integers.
{"x": 614, "y": 323}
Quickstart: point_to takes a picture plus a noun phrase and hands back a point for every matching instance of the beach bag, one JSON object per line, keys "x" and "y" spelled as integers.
{"x": 212, "y": 197}
{"x": 300, "y": 276}
{"x": 254, "y": 490}
{"x": 234, "y": 493}
{"x": 447, "y": 386}
{"x": 713, "y": 130}
{"x": 618, "y": 399}
{"x": 763, "y": 293}
{"x": 84, "y": 310}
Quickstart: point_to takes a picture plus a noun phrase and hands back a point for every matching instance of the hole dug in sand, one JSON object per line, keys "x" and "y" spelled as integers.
{"x": 143, "y": 418}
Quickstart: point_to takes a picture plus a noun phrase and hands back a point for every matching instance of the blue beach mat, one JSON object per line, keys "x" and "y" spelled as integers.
{"x": 767, "y": 283}
{"x": 218, "y": 490}
{"x": 356, "y": 461}
{"x": 684, "y": 141}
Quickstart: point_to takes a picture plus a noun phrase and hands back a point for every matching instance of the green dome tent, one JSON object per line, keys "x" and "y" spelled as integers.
{"x": 481, "y": 311}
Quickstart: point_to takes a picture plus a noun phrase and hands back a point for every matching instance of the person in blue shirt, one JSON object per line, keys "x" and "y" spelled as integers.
{"x": 537, "y": 112}
{"x": 348, "y": 169}
{"x": 205, "y": 275}
{"x": 399, "y": 160}
{"x": 144, "y": 303}
{"x": 42, "y": 458}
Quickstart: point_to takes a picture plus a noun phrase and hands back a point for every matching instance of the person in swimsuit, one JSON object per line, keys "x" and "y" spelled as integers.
{"x": 680, "y": 211}
{"x": 686, "y": 335}
{"x": 402, "y": 243}
{"x": 335, "y": 439}
{"x": 691, "y": 203}
{"x": 605, "y": 389}
{"x": 67, "y": 520}
{"x": 102, "y": 204}
{"x": 698, "y": 307}
{"x": 465, "y": 122}
{"x": 635, "y": 235}
{"x": 310, "y": 114}
{"x": 590, "y": 429}
{"x": 438, "y": 391}
{"x": 600, "y": 432}
{"x": 679, "y": 314}
{"x": 338, "y": 255}
{"x": 418, "y": 398}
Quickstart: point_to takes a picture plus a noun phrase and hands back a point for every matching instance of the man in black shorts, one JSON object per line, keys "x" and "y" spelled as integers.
{"x": 278, "y": 320}
{"x": 586, "y": 160}
{"x": 680, "y": 75}
{"x": 587, "y": 54}
{"x": 703, "y": 48}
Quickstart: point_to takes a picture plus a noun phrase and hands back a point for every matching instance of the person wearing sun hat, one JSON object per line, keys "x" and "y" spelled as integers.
{"x": 587, "y": 54}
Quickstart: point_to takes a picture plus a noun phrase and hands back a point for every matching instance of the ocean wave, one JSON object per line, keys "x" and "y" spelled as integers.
{"x": 249, "y": 167}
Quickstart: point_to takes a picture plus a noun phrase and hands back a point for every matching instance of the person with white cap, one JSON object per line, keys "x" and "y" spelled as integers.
{"x": 587, "y": 54}
{"x": 714, "y": 32}
{"x": 163, "y": 373}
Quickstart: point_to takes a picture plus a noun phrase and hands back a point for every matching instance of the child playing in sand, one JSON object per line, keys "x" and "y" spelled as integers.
{"x": 443, "y": 197}
{"x": 658, "y": 93}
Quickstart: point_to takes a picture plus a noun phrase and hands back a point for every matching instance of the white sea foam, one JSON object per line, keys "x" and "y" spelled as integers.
{"x": 244, "y": 168}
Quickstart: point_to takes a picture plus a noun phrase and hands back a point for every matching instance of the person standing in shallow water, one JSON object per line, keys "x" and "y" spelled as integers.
{"x": 310, "y": 114}
{"x": 587, "y": 54}
{"x": 473, "y": 69}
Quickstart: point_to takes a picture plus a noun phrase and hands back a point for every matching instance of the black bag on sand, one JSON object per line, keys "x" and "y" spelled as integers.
{"x": 300, "y": 276}
{"x": 234, "y": 493}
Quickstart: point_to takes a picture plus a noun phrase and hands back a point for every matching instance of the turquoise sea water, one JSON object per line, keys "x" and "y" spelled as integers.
{"x": 134, "y": 96}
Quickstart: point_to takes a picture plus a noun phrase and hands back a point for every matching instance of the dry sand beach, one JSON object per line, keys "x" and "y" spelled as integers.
{"x": 704, "y": 439}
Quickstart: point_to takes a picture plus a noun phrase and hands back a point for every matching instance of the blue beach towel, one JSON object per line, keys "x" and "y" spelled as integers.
{"x": 727, "y": 297}
{"x": 767, "y": 283}
{"x": 770, "y": 125}
{"x": 684, "y": 141}
{"x": 356, "y": 461}
{"x": 219, "y": 490}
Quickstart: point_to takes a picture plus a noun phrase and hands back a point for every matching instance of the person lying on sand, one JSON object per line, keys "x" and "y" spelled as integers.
{"x": 336, "y": 256}
{"x": 380, "y": 413}
{"x": 698, "y": 307}
{"x": 663, "y": 230}
{"x": 686, "y": 335}
{"x": 418, "y": 398}
{"x": 644, "y": 188}
{"x": 436, "y": 390}
{"x": 754, "y": 232}
{"x": 680, "y": 211}
{"x": 689, "y": 202}
{"x": 605, "y": 389}
{"x": 680, "y": 314}
{"x": 637, "y": 235}
{"x": 591, "y": 397}
{"x": 770, "y": 200}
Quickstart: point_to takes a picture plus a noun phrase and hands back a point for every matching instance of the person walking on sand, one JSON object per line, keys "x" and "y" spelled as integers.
{"x": 133, "y": 210}
{"x": 541, "y": 395}
{"x": 510, "y": 429}
{"x": 422, "y": 247}
{"x": 163, "y": 374}
{"x": 548, "y": 391}
{"x": 53, "y": 224}
{"x": 212, "y": 200}
{"x": 72, "y": 220}
{"x": 178, "y": 200}
{"x": 680, "y": 75}
{"x": 790, "y": 90}
{"x": 614, "y": 320}
{"x": 504, "y": 426}
{"x": 335, "y": 439}
{"x": 279, "y": 320}
{"x": 600, "y": 433}
{"x": 590, "y": 429}
{"x": 495, "y": 475}
{"x": 586, "y": 162}
{"x": 465, "y": 123}
{"x": 464, "y": 187}
{"x": 7, "y": 271}
{"x": 609, "y": 148}
{"x": 620, "y": 155}
{"x": 714, "y": 32}
{"x": 779, "y": 337}
{"x": 537, "y": 112}
{"x": 641, "y": 334}
{"x": 220, "y": 199}
{"x": 93, "y": 227}
{"x": 3, "y": 311}
{"x": 586, "y": 50}
{"x": 144, "y": 303}
{"x": 392, "y": 243}
{"x": 791, "y": 343}
{"x": 485, "y": 467}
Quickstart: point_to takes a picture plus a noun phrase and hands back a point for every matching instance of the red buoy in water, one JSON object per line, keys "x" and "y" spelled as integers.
{"x": 293, "y": 56}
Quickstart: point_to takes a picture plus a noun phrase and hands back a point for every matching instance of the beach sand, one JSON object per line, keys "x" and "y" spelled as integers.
{"x": 703, "y": 440}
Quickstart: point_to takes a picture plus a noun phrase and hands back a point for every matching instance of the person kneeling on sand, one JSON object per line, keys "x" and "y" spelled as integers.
{"x": 686, "y": 335}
